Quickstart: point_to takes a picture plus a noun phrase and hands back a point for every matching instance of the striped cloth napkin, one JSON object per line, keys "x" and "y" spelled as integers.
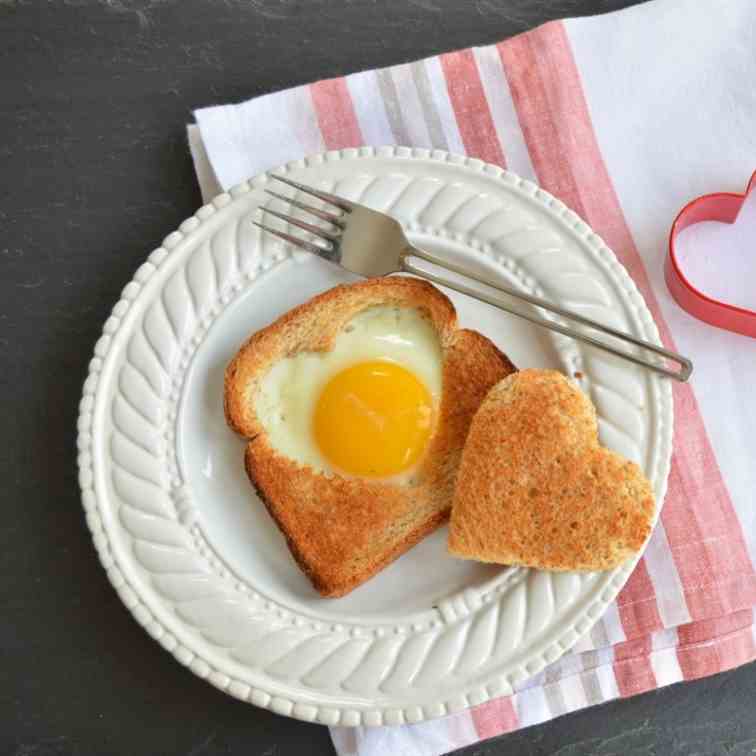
{"x": 624, "y": 117}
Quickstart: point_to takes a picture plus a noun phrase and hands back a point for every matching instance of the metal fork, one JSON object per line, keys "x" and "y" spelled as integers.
{"x": 370, "y": 243}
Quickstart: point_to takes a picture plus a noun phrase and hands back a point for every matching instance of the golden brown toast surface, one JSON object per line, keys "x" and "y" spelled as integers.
{"x": 535, "y": 488}
{"x": 343, "y": 530}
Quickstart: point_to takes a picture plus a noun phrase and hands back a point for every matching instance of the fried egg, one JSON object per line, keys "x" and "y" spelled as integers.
{"x": 366, "y": 408}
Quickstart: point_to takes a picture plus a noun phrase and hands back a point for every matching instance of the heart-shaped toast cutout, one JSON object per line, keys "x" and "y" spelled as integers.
{"x": 711, "y": 262}
{"x": 536, "y": 489}
{"x": 343, "y": 528}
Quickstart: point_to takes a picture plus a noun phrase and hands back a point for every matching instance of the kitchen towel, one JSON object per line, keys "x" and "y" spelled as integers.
{"x": 624, "y": 117}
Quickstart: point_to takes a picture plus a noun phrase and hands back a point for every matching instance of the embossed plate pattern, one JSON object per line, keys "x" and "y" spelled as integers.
{"x": 192, "y": 552}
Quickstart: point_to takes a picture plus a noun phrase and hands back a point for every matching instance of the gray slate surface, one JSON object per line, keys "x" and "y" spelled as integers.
{"x": 94, "y": 171}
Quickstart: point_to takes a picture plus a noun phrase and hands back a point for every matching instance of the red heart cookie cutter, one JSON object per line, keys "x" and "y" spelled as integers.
{"x": 723, "y": 207}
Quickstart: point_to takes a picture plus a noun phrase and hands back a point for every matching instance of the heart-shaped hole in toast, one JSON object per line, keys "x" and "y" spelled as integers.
{"x": 536, "y": 489}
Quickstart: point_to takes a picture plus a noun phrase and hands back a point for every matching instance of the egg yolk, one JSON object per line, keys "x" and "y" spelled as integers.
{"x": 373, "y": 419}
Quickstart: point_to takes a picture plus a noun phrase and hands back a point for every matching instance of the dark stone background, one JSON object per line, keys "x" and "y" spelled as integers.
{"x": 94, "y": 171}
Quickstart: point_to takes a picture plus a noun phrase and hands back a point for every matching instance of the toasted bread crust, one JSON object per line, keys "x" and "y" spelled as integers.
{"x": 341, "y": 531}
{"x": 327, "y": 579}
{"x": 536, "y": 489}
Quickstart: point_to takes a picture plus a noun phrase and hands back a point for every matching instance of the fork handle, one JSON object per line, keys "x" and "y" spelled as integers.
{"x": 682, "y": 374}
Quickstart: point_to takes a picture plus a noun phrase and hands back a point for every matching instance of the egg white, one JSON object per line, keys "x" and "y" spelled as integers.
{"x": 289, "y": 392}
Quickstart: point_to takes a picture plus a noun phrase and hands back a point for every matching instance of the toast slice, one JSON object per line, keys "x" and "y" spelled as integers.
{"x": 343, "y": 530}
{"x": 536, "y": 489}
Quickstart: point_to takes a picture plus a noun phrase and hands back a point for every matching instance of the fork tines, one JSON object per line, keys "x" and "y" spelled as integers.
{"x": 295, "y": 240}
{"x": 317, "y": 212}
{"x": 329, "y": 236}
{"x": 340, "y": 202}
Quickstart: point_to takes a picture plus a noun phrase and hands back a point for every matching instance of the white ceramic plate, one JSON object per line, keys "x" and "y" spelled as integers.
{"x": 193, "y": 553}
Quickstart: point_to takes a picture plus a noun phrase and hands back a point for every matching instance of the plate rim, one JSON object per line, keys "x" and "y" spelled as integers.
{"x": 329, "y": 714}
